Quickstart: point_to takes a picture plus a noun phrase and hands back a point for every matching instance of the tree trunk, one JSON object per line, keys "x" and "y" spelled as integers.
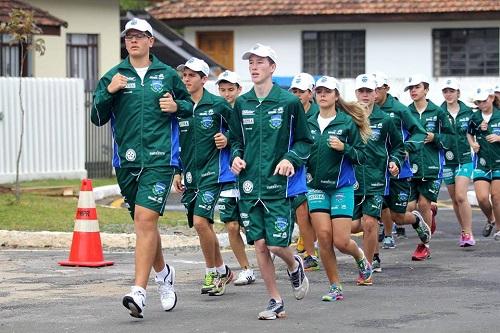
{"x": 20, "y": 150}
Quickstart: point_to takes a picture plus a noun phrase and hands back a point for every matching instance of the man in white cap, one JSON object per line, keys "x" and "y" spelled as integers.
{"x": 206, "y": 169}
{"x": 302, "y": 86}
{"x": 427, "y": 164}
{"x": 270, "y": 143}
{"x": 145, "y": 153}
{"x": 396, "y": 202}
{"x": 229, "y": 86}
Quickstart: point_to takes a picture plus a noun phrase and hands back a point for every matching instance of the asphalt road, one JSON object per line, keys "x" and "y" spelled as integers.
{"x": 455, "y": 291}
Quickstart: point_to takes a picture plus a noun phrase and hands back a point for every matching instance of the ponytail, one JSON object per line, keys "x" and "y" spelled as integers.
{"x": 358, "y": 114}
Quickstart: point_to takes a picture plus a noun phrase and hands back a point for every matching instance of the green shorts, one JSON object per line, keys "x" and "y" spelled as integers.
{"x": 399, "y": 193}
{"x": 488, "y": 176}
{"x": 339, "y": 203}
{"x": 461, "y": 170}
{"x": 228, "y": 203}
{"x": 299, "y": 200}
{"x": 272, "y": 220}
{"x": 428, "y": 188}
{"x": 146, "y": 187}
{"x": 201, "y": 202}
{"x": 370, "y": 205}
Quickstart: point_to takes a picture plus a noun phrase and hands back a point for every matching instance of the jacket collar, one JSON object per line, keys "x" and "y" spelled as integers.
{"x": 274, "y": 94}
{"x": 430, "y": 107}
{"x": 340, "y": 118}
{"x": 462, "y": 107}
{"x": 155, "y": 63}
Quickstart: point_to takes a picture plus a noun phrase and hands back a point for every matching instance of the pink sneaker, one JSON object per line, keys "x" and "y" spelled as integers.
{"x": 467, "y": 240}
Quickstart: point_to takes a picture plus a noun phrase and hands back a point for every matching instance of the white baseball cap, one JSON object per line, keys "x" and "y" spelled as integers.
{"x": 381, "y": 79}
{"x": 137, "y": 24}
{"x": 302, "y": 81}
{"x": 327, "y": 82}
{"x": 365, "y": 81}
{"x": 196, "y": 65}
{"x": 228, "y": 76}
{"x": 451, "y": 83}
{"x": 261, "y": 51}
{"x": 482, "y": 93}
{"x": 497, "y": 88}
{"x": 415, "y": 79}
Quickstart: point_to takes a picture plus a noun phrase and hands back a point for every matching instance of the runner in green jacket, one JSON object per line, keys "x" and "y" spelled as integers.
{"x": 302, "y": 86}
{"x": 385, "y": 155}
{"x": 339, "y": 131}
{"x": 205, "y": 165}
{"x": 427, "y": 164}
{"x": 484, "y": 138}
{"x": 270, "y": 144}
{"x": 457, "y": 172}
{"x": 145, "y": 150}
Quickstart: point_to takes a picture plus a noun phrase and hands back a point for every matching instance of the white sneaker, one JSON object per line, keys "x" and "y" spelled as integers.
{"x": 135, "y": 301}
{"x": 168, "y": 297}
{"x": 496, "y": 236}
{"x": 245, "y": 276}
{"x": 300, "y": 283}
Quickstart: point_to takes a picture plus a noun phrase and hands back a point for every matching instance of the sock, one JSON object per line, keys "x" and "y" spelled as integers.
{"x": 221, "y": 269}
{"x": 161, "y": 276}
{"x": 209, "y": 270}
{"x": 139, "y": 288}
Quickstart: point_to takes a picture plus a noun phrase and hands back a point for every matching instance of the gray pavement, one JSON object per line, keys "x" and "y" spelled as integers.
{"x": 455, "y": 291}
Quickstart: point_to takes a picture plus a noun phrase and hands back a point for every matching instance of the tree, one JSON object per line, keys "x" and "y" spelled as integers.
{"x": 134, "y": 4}
{"x": 22, "y": 28}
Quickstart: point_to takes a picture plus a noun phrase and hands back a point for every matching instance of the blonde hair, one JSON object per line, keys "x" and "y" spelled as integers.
{"x": 358, "y": 114}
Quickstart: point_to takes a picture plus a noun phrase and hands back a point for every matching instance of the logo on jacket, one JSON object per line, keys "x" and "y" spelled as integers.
{"x": 275, "y": 121}
{"x": 159, "y": 188}
{"x": 207, "y": 122}
{"x": 430, "y": 126}
{"x": 281, "y": 224}
{"x": 247, "y": 186}
{"x": 449, "y": 155}
{"x": 156, "y": 85}
{"x": 375, "y": 134}
{"x": 414, "y": 168}
{"x": 482, "y": 161}
{"x": 130, "y": 155}
{"x": 189, "y": 177}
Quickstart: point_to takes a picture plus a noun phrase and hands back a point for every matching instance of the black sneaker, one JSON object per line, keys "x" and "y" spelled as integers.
{"x": 488, "y": 228}
{"x": 423, "y": 230}
{"x": 274, "y": 310}
{"x": 300, "y": 283}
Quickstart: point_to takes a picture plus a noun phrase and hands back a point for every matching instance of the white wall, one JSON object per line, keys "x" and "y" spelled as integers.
{"x": 399, "y": 49}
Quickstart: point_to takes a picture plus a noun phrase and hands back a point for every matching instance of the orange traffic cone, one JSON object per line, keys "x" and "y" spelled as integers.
{"x": 86, "y": 248}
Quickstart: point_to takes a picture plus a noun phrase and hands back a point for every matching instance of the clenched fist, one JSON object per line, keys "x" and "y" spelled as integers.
{"x": 118, "y": 82}
{"x": 167, "y": 103}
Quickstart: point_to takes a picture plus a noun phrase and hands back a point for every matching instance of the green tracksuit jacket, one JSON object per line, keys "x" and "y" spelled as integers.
{"x": 488, "y": 157}
{"x": 428, "y": 163}
{"x": 327, "y": 168}
{"x": 458, "y": 150}
{"x": 263, "y": 134}
{"x": 202, "y": 163}
{"x": 385, "y": 145}
{"x": 143, "y": 135}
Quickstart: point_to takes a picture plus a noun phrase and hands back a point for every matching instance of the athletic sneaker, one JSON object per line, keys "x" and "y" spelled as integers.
{"x": 245, "y": 276}
{"x": 401, "y": 232}
{"x": 168, "y": 297}
{"x": 208, "y": 282}
{"x": 376, "y": 265}
{"x": 365, "y": 272}
{"x": 423, "y": 231}
{"x": 300, "y": 283}
{"x": 422, "y": 252}
{"x": 135, "y": 301}
{"x": 311, "y": 263}
{"x": 380, "y": 232}
{"x": 434, "y": 210}
{"x": 496, "y": 236}
{"x": 466, "y": 240}
{"x": 389, "y": 243}
{"x": 334, "y": 294}
{"x": 220, "y": 283}
{"x": 300, "y": 245}
{"x": 488, "y": 228}
{"x": 274, "y": 310}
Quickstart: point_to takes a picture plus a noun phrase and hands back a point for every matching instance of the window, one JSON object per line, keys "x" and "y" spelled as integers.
{"x": 10, "y": 58}
{"x": 335, "y": 53}
{"x": 465, "y": 52}
{"x": 82, "y": 58}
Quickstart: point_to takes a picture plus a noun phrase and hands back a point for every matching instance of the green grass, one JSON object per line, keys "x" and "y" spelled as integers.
{"x": 64, "y": 182}
{"x": 43, "y": 213}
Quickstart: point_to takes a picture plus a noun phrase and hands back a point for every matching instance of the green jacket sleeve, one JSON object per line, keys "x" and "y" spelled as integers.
{"x": 446, "y": 129}
{"x": 236, "y": 133}
{"x": 302, "y": 140}
{"x": 415, "y": 141}
{"x": 226, "y": 111}
{"x": 182, "y": 98}
{"x": 103, "y": 104}
{"x": 396, "y": 145}
{"x": 355, "y": 149}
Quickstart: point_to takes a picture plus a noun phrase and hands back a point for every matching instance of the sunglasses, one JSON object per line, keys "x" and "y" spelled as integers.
{"x": 137, "y": 36}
